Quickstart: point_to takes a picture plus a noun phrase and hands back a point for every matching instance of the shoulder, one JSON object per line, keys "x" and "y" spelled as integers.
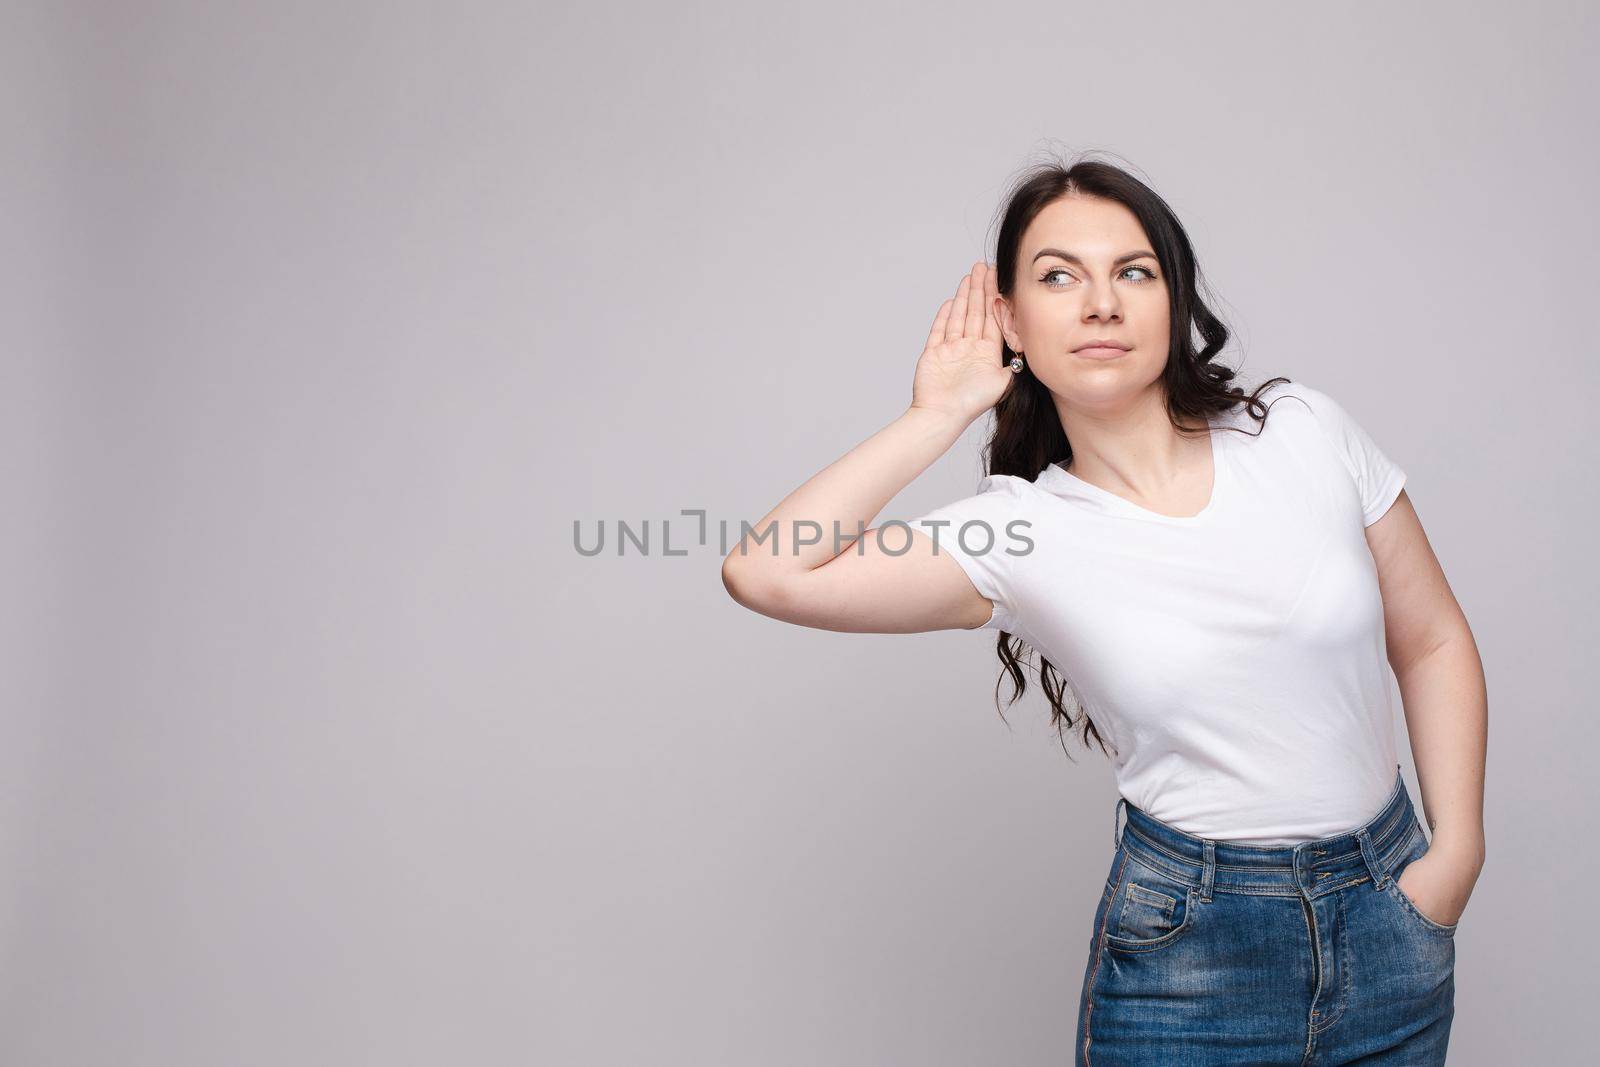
{"x": 998, "y": 497}
{"x": 1377, "y": 477}
{"x": 1305, "y": 400}
{"x": 1005, "y": 485}
{"x": 1308, "y": 396}
{"x": 1298, "y": 415}
{"x": 999, "y": 501}
{"x": 1295, "y": 408}
{"x": 1330, "y": 416}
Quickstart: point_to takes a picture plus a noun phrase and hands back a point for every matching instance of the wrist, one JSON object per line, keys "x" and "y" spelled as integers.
{"x": 938, "y": 420}
{"x": 1465, "y": 848}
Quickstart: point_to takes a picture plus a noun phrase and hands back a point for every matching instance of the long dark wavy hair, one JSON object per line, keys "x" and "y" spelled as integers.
{"x": 1028, "y": 435}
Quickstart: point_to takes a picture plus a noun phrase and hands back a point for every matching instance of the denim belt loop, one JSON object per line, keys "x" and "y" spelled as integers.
{"x": 1380, "y": 875}
{"x": 1116, "y": 820}
{"x": 1209, "y": 878}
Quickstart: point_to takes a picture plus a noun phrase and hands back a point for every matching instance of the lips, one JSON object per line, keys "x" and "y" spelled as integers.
{"x": 1102, "y": 342}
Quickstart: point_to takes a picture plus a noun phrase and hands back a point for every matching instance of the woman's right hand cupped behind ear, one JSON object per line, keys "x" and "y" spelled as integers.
{"x": 959, "y": 373}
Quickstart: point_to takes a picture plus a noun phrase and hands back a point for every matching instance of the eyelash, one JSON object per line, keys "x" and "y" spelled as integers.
{"x": 1062, "y": 270}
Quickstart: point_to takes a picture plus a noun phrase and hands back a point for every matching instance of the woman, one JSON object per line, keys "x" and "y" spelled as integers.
{"x": 1220, "y": 576}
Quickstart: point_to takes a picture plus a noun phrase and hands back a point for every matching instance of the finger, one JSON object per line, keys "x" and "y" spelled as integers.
{"x": 936, "y": 334}
{"x": 973, "y": 327}
{"x": 958, "y": 311}
{"x": 991, "y": 290}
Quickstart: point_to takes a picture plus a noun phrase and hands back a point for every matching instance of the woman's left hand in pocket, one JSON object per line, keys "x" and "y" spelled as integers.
{"x": 1439, "y": 883}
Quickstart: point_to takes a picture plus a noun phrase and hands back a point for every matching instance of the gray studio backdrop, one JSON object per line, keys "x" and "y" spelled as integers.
{"x": 322, "y": 744}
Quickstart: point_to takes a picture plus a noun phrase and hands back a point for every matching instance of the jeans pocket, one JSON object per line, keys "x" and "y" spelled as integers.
{"x": 1418, "y": 848}
{"x": 1152, "y": 909}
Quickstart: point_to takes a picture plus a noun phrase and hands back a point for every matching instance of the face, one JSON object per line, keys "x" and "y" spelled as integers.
{"x": 1100, "y": 281}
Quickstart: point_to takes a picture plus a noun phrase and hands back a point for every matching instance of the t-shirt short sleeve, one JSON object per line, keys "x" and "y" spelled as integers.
{"x": 986, "y": 534}
{"x": 1378, "y": 478}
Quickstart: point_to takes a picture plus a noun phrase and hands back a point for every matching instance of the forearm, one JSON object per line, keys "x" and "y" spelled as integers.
{"x": 1447, "y": 719}
{"x": 850, "y": 492}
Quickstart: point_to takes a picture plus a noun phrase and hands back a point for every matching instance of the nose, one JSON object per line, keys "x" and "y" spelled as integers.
{"x": 1100, "y": 303}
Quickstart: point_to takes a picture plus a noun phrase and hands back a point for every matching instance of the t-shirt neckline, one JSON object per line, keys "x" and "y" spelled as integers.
{"x": 1219, "y": 479}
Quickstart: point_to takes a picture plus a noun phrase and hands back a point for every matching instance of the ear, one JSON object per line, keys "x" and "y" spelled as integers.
{"x": 1002, "y": 315}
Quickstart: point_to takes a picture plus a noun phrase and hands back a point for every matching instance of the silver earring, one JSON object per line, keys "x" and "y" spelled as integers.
{"x": 1016, "y": 364}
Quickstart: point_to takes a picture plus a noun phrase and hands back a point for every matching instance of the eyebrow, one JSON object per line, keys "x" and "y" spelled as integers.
{"x": 1126, "y": 257}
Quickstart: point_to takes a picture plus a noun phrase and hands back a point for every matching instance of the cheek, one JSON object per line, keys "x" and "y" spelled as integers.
{"x": 1157, "y": 318}
{"x": 1155, "y": 330}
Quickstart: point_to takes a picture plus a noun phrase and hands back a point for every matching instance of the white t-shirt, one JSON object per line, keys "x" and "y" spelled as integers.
{"x": 1233, "y": 660}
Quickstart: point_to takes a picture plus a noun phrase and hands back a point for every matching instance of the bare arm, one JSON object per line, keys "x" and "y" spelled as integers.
{"x": 1445, "y": 698}
{"x": 855, "y": 585}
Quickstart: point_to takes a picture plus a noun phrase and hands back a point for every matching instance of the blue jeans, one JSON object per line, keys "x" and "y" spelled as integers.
{"x": 1211, "y": 952}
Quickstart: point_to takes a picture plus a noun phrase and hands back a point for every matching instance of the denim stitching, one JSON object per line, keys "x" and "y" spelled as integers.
{"x": 1438, "y": 929}
{"x": 1389, "y": 856}
{"x": 1316, "y": 958}
{"x": 1388, "y": 838}
{"x": 1258, "y": 889}
{"x": 1124, "y": 944}
{"x": 1128, "y": 897}
{"x": 1395, "y": 828}
{"x": 1344, "y": 968}
{"x": 1392, "y": 828}
{"x": 1099, "y": 946}
{"x": 1150, "y": 897}
{"x": 1324, "y": 890}
{"x": 1265, "y": 889}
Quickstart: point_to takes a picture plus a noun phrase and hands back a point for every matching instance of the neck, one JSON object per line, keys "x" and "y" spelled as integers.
{"x": 1134, "y": 448}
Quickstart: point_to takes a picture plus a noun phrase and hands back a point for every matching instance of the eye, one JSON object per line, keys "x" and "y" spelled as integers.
{"x": 1149, "y": 275}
